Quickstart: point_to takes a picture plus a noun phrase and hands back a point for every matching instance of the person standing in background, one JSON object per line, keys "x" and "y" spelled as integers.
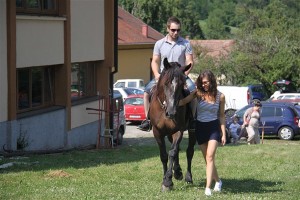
{"x": 252, "y": 122}
{"x": 233, "y": 128}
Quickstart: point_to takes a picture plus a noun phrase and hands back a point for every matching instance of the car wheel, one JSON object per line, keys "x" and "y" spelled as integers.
{"x": 286, "y": 133}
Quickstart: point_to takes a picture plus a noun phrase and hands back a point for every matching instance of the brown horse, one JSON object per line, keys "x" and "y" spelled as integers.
{"x": 169, "y": 119}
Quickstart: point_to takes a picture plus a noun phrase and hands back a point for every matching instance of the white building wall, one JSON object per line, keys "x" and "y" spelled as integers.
{"x": 3, "y": 63}
{"x": 87, "y": 44}
{"x": 81, "y": 116}
{"x": 40, "y": 41}
{"x": 87, "y": 30}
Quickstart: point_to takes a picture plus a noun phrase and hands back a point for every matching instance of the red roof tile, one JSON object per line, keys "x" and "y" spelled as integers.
{"x": 132, "y": 30}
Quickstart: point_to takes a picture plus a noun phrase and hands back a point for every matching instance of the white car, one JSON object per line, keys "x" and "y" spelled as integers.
{"x": 132, "y": 83}
{"x": 235, "y": 97}
{"x": 124, "y": 92}
{"x": 287, "y": 96}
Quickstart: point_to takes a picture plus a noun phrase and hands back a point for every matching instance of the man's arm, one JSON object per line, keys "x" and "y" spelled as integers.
{"x": 155, "y": 66}
{"x": 189, "y": 59}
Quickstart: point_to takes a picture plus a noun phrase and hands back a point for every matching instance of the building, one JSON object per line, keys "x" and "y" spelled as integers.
{"x": 135, "y": 47}
{"x": 56, "y": 56}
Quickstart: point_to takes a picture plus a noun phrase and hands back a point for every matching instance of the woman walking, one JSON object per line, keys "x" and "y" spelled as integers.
{"x": 210, "y": 124}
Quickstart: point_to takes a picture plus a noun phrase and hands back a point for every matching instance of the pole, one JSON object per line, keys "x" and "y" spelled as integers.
{"x": 263, "y": 132}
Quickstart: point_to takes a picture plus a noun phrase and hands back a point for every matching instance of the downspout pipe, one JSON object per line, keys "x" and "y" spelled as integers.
{"x": 111, "y": 78}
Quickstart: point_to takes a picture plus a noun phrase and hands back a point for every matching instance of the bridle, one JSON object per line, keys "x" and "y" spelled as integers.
{"x": 164, "y": 106}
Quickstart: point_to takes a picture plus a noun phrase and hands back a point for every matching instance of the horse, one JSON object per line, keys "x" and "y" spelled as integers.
{"x": 170, "y": 120}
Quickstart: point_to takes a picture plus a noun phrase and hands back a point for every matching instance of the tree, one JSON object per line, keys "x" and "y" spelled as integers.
{"x": 156, "y": 13}
{"x": 268, "y": 45}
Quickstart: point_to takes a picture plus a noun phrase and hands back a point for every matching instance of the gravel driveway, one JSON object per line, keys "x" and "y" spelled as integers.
{"x": 134, "y": 136}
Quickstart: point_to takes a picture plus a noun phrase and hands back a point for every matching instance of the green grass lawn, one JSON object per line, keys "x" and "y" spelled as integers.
{"x": 268, "y": 171}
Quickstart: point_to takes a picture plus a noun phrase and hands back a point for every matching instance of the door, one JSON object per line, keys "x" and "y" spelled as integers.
{"x": 272, "y": 117}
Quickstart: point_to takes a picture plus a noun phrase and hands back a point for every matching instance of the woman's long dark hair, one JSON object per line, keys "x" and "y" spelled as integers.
{"x": 212, "y": 90}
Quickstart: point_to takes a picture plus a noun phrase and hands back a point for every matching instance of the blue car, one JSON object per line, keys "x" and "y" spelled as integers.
{"x": 281, "y": 119}
{"x": 257, "y": 92}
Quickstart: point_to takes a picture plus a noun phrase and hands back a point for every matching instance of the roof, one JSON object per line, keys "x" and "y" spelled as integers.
{"x": 132, "y": 30}
{"x": 214, "y": 48}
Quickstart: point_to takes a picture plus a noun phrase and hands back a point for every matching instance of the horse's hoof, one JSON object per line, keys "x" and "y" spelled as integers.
{"x": 165, "y": 188}
{"x": 188, "y": 178}
{"x": 178, "y": 176}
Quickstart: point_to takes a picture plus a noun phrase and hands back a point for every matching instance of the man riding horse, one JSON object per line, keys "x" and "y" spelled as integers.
{"x": 175, "y": 49}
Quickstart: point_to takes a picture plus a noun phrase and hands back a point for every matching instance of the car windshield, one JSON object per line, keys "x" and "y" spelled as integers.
{"x": 134, "y": 101}
{"x": 130, "y": 91}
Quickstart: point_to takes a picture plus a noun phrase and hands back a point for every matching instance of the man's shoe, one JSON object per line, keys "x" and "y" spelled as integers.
{"x": 145, "y": 126}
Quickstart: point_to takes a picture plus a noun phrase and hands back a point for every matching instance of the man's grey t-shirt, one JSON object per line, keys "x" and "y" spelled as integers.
{"x": 175, "y": 52}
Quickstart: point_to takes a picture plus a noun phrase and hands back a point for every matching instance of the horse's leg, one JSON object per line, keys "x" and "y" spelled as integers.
{"x": 176, "y": 167}
{"x": 167, "y": 181}
{"x": 162, "y": 149}
{"x": 163, "y": 155}
{"x": 189, "y": 155}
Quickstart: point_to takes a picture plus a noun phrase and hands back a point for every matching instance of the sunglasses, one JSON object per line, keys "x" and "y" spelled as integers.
{"x": 174, "y": 30}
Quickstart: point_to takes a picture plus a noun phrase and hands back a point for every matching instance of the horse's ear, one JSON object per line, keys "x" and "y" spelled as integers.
{"x": 166, "y": 63}
{"x": 185, "y": 68}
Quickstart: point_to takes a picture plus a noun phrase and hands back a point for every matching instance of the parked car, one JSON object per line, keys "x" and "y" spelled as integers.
{"x": 297, "y": 106}
{"x": 285, "y": 86}
{"x": 237, "y": 97}
{"x": 117, "y": 125}
{"x": 134, "y": 108}
{"x": 287, "y": 97}
{"x": 281, "y": 119}
{"x": 257, "y": 92}
{"x": 124, "y": 83}
{"x": 119, "y": 122}
{"x": 125, "y": 92}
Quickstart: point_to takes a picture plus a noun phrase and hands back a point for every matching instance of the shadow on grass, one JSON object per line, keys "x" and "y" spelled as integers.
{"x": 250, "y": 186}
{"x": 88, "y": 158}
{"x": 236, "y": 186}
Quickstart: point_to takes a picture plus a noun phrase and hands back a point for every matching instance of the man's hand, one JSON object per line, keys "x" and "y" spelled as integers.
{"x": 157, "y": 77}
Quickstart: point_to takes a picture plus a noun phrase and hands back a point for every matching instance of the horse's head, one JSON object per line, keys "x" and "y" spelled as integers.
{"x": 171, "y": 83}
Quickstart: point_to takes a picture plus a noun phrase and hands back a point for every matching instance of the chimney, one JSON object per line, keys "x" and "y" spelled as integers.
{"x": 145, "y": 30}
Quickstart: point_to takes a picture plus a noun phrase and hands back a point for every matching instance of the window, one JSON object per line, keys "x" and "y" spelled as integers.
{"x": 278, "y": 112}
{"x": 40, "y": 7}
{"x": 117, "y": 93}
{"x": 120, "y": 85}
{"x": 132, "y": 84}
{"x": 134, "y": 101}
{"x": 35, "y": 88}
{"x": 83, "y": 80}
{"x": 268, "y": 112}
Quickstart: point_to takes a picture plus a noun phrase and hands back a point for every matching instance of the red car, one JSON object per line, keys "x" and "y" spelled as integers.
{"x": 134, "y": 108}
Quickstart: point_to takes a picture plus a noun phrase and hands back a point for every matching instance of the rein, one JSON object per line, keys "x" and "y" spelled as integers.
{"x": 162, "y": 105}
